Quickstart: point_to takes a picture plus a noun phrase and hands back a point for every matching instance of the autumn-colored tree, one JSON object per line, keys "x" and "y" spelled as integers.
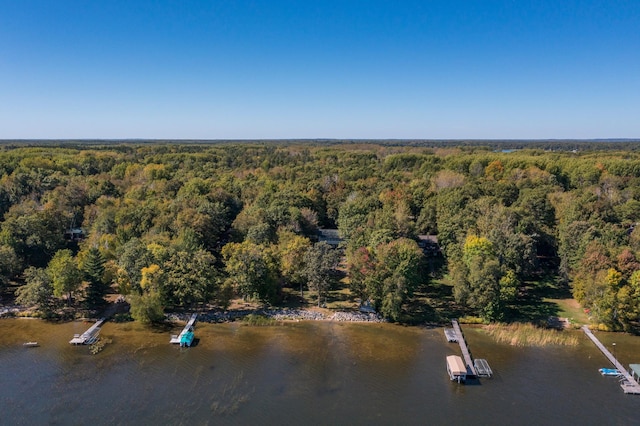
{"x": 494, "y": 170}
{"x": 570, "y": 215}
{"x": 361, "y": 269}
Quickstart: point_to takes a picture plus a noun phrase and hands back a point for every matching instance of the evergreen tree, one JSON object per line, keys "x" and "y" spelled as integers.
{"x": 93, "y": 272}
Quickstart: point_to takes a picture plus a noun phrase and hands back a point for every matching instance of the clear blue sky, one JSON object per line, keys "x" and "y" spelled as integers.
{"x": 319, "y": 69}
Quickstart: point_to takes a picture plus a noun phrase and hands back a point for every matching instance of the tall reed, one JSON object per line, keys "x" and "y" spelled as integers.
{"x": 526, "y": 334}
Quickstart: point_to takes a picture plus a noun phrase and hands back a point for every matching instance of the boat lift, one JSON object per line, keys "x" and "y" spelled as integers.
{"x": 185, "y": 338}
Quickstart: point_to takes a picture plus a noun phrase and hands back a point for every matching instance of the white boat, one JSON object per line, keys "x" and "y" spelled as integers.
{"x": 456, "y": 368}
{"x": 30, "y": 344}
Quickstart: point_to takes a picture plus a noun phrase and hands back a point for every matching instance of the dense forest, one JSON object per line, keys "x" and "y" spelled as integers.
{"x": 183, "y": 225}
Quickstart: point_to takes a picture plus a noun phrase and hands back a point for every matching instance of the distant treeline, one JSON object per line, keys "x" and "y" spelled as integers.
{"x": 491, "y": 144}
{"x": 181, "y": 224}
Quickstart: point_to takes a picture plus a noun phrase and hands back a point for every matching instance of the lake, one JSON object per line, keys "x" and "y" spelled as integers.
{"x": 310, "y": 373}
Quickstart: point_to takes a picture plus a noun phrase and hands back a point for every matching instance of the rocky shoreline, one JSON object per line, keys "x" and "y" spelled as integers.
{"x": 279, "y": 315}
{"x": 11, "y": 310}
{"x": 217, "y": 316}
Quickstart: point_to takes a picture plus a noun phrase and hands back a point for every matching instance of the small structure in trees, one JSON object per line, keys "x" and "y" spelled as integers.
{"x": 329, "y": 236}
{"x": 429, "y": 245}
{"x": 74, "y": 234}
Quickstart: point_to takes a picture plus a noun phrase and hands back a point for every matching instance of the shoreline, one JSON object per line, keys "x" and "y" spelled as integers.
{"x": 10, "y": 311}
{"x": 214, "y": 315}
{"x": 278, "y": 314}
{"x": 218, "y": 316}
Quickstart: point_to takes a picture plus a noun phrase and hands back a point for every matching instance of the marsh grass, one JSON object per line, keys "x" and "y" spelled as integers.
{"x": 257, "y": 320}
{"x": 99, "y": 345}
{"x": 526, "y": 334}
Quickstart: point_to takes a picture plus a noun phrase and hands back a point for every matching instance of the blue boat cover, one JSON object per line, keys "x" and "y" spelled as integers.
{"x": 187, "y": 338}
{"x": 609, "y": 372}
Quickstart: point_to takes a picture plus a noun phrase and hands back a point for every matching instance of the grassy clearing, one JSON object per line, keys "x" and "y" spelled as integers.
{"x": 570, "y": 308}
{"x": 525, "y": 334}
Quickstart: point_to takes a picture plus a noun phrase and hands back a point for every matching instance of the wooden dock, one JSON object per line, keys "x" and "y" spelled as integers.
{"x": 629, "y": 385}
{"x": 471, "y": 369}
{"x": 89, "y": 336}
{"x": 187, "y": 328}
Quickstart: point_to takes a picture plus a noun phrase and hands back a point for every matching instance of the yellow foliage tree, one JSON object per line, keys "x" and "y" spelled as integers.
{"x": 151, "y": 278}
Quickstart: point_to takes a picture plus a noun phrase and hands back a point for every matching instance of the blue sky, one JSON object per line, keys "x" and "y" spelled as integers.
{"x": 319, "y": 69}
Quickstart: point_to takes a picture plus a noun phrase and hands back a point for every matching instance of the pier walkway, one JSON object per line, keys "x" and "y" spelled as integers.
{"x": 89, "y": 336}
{"x": 471, "y": 370}
{"x": 629, "y": 385}
{"x": 188, "y": 328}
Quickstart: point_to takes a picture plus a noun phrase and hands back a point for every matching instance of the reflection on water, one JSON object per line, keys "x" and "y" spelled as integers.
{"x": 300, "y": 373}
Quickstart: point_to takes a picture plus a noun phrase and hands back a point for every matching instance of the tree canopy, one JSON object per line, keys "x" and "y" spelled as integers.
{"x": 185, "y": 224}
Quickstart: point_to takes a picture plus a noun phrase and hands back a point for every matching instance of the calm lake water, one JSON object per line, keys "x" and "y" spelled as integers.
{"x": 304, "y": 373}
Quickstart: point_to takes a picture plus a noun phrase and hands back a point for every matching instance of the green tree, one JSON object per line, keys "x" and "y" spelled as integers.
{"x": 477, "y": 279}
{"x": 64, "y": 273}
{"x": 627, "y": 308}
{"x": 355, "y": 214}
{"x": 209, "y": 219}
{"x": 9, "y": 264}
{"x": 251, "y": 270}
{"x": 147, "y": 307}
{"x": 453, "y": 219}
{"x": 398, "y": 270}
{"x": 291, "y": 250}
{"x": 93, "y": 271}
{"x": 190, "y": 278}
{"x": 515, "y": 250}
{"x": 320, "y": 263}
{"x": 37, "y": 290}
{"x": 484, "y": 283}
{"x": 132, "y": 258}
{"x": 34, "y": 231}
